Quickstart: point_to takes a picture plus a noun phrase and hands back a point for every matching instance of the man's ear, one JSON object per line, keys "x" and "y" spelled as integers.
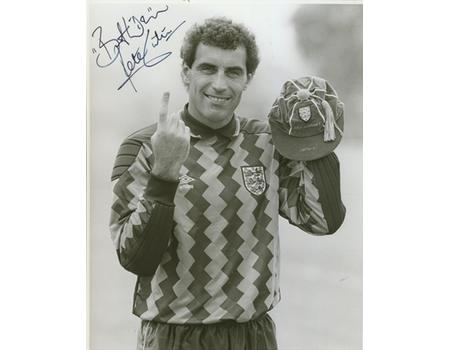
{"x": 249, "y": 79}
{"x": 186, "y": 74}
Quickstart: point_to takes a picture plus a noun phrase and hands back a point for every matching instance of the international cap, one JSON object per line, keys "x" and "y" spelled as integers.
{"x": 307, "y": 119}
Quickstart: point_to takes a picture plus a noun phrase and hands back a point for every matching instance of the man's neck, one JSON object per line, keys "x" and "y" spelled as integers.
{"x": 209, "y": 124}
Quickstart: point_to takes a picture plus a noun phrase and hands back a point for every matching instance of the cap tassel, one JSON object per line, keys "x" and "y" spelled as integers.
{"x": 329, "y": 133}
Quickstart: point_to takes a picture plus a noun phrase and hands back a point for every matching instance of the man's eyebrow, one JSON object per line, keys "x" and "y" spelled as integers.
{"x": 235, "y": 68}
{"x": 206, "y": 65}
{"x": 210, "y": 65}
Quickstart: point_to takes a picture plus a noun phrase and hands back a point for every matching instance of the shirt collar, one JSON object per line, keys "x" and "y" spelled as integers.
{"x": 200, "y": 130}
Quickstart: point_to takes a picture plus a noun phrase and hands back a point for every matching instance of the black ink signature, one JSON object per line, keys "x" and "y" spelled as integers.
{"x": 111, "y": 51}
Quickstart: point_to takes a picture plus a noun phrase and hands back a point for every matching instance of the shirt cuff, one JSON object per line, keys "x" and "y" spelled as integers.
{"x": 326, "y": 178}
{"x": 161, "y": 190}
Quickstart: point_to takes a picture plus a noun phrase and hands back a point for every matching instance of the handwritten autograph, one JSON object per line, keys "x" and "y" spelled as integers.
{"x": 114, "y": 49}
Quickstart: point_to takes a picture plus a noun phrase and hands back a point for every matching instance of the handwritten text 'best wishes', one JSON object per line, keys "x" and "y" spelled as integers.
{"x": 137, "y": 44}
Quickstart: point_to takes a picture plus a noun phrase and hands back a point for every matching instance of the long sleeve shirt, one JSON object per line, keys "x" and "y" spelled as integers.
{"x": 206, "y": 248}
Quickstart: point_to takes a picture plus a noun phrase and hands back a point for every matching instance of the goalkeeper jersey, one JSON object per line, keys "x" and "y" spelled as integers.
{"x": 206, "y": 248}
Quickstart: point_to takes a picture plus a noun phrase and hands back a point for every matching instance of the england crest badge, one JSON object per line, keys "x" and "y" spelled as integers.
{"x": 304, "y": 113}
{"x": 254, "y": 179}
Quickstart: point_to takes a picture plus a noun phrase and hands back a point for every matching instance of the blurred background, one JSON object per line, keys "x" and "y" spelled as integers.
{"x": 321, "y": 277}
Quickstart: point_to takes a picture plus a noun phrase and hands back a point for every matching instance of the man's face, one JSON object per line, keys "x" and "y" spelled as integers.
{"x": 215, "y": 83}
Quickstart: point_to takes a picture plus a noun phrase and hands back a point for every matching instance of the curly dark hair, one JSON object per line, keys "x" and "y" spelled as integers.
{"x": 223, "y": 33}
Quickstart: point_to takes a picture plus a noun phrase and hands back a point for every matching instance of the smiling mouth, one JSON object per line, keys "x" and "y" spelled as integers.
{"x": 217, "y": 98}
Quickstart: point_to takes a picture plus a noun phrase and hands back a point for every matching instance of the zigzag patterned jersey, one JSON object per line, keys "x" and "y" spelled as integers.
{"x": 221, "y": 260}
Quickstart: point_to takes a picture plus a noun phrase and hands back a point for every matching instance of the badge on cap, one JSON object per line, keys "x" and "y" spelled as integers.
{"x": 304, "y": 113}
{"x": 306, "y": 119}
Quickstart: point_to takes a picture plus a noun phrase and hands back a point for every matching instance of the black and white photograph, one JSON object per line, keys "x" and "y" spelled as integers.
{"x": 211, "y": 174}
{"x": 225, "y": 154}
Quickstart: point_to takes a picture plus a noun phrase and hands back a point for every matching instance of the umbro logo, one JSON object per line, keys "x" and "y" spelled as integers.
{"x": 185, "y": 183}
{"x": 184, "y": 179}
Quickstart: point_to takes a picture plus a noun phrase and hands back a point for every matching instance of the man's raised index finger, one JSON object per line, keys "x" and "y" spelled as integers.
{"x": 164, "y": 107}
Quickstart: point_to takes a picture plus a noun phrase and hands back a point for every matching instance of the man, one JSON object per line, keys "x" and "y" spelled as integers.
{"x": 196, "y": 204}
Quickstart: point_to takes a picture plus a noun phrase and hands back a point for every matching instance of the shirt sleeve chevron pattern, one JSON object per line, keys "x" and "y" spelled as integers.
{"x": 142, "y": 211}
{"x": 206, "y": 249}
{"x": 310, "y": 195}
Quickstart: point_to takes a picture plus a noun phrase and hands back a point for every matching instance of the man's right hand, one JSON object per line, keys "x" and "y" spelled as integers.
{"x": 170, "y": 143}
